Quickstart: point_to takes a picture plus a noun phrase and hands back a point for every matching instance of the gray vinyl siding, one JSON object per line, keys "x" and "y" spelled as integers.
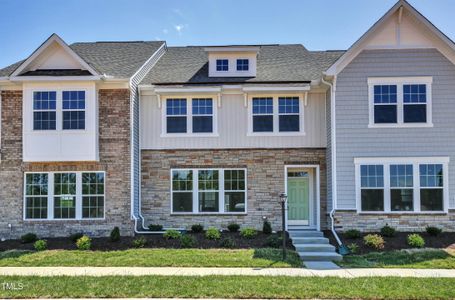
{"x": 355, "y": 139}
{"x": 329, "y": 149}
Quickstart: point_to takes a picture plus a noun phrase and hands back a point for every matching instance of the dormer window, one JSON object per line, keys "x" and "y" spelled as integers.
{"x": 222, "y": 65}
{"x": 243, "y": 64}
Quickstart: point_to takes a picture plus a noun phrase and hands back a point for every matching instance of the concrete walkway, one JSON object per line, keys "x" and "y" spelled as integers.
{"x": 295, "y": 272}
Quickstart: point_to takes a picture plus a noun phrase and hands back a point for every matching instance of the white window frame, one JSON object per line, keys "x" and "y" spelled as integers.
{"x": 74, "y": 109}
{"x": 189, "y": 116}
{"x": 415, "y": 162}
{"x": 216, "y": 65}
{"x": 236, "y": 62}
{"x": 276, "y": 115}
{"x": 221, "y": 192}
{"x": 50, "y": 197}
{"x": 399, "y": 82}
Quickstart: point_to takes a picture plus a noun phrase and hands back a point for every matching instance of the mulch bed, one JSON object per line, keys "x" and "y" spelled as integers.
{"x": 153, "y": 241}
{"x": 398, "y": 242}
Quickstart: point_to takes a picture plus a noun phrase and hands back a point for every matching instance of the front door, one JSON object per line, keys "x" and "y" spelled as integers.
{"x": 299, "y": 195}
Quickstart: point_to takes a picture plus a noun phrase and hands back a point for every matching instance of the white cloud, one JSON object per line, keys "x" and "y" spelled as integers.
{"x": 179, "y": 28}
{"x": 178, "y": 12}
{"x": 165, "y": 31}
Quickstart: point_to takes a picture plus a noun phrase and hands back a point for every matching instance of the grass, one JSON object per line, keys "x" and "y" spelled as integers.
{"x": 151, "y": 258}
{"x": 230, "y": 287}
{"x": 419, "y": 259}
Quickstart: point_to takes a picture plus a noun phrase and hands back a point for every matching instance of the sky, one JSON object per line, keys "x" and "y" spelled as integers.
{"x": 318, "y": 25}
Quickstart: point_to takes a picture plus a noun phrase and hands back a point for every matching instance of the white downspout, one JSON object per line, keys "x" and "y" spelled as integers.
{"x": 333, "y": 155}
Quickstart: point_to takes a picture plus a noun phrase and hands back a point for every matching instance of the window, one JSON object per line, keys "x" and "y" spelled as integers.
{"x": 263, "y": 114}
{"x": 208, "y": 191}
{"x": 402, "y": 184}
{"x": 44, "y": 110}
{"x": 176, "y": 115}
{"x": 202, "y": 115}
{"x": 222, "y": 65}
{"x": 36, "y": 196}
{"x": 242, "y": 64}
{"x": 73, "y": 107}
{"x": 289, "y": 116}
{"x": 61, "y": 196}
{"x": 400, "y": 101}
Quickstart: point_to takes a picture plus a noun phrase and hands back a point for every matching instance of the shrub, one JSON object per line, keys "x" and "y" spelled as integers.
{"x": 196, "y": 228}
{"x": 29, "y": 238}
{"x": 187, "y": 241}
{"x": 115, "y": 234}
{"x": 353, "y": 248}
{"x": 267, "y": 227}
{"x": 433, "y": 231}
{"x": 352, "y": 234}
{"x": 227, "y": 243}
{"x": 140, "y": 242}
{"x": 388, "y": 231}
{"x": 84, "y": 243}
{"x": 374, "y": 241}
{"x": 212, "y": 234}
{"x": 155, "y": 227}
{"x": 75, "y": 236}
{"x": 248, "y": 232}
{"x": 233, "y": 227}
{"x": 172, "y": 234}
{"x": 416, "y": 240}
{"x": 274, "y": 241}
{"x": 40, "y": 245}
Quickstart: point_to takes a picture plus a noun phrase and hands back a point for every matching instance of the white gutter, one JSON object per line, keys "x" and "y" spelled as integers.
{"x": 333, "y": 154}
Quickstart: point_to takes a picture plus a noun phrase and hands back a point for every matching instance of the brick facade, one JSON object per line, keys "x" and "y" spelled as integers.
{"x": 265, "y": 181}
{"x": 114, "y": 153}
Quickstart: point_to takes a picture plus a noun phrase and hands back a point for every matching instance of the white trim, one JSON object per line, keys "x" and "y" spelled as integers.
{"x": 415, "y": 162}
{"x": 277, "y": 89}
{"x": 54, "y": 78}
{"x": 232, "y": 49}
{"x": 185, "y": 90}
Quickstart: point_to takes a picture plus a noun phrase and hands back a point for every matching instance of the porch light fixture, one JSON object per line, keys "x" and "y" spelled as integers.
{"x": 283, "y": 199}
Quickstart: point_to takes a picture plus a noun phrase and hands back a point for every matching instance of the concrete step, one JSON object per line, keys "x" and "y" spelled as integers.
{"x": 302, "y": 233}
{"x": 320, "y": 256}
{"x": 314, "y": 248}
{"x": 310, "y": 240}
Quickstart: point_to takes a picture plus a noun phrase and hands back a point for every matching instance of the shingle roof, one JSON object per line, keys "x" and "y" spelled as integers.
{"x": 275, "y": 63}
{"x": 57, "y": 72}
{"x": 117, "y": 59}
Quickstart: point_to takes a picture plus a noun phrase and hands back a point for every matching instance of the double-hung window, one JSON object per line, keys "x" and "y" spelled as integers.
{"x": 289, "y": 114}
{"x": 400, "y": 102}
{"x": 263, "y": 114}
{"x": 73, "y": 108}
{"x": 36, "y": 194}
{"x": 176, "y": 116}
{"x": 44, "y": 110}
{"x": 402, "y": 184}
{"x": 202, "y": 115}
{"x": 208, "y": 190}
{"x": 65, "y": 195}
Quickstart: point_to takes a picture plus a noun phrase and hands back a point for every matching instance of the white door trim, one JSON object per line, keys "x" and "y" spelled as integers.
{"x": 315, "y": 175}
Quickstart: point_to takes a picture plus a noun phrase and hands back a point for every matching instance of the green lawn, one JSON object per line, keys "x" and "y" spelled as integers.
{"x": 230, "y": 287}
{"x": 151, "y": 258}
{"x": 421, "y": 259}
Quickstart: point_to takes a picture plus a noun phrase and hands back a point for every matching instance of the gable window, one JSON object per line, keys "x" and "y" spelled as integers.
{"x": 402, "y": 184}
{"x": 222, "y": 65}
{"x": 63, "y": 196}
{"x": 243, "y": 64}
{"x": 263, "y": 114}
{"x": 176, "y": 115}
{"x": 208, "y": 190}
{"x": 400, "y": 102}
{"x": 73, "y": 107}
{"x": 44, "y": 110}
{"x": 202, "y": 115}
{"x": 289, "y": 117}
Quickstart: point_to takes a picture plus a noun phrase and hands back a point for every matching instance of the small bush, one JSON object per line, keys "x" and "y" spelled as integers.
{"x": 40, "y": 245}
{"x": 29, "y": 238}
{"x": 388, "y": 231}
{"x": 227, "y": 243}
{"x": 353, "y": 248}
{"x": 233, "y": 227}
{"x": 115, "y": 234}
{"x": 212, "y": 234}
{"x": 140, "y": 242}
{"x": 75, "y": 236}
{"x": 433, "y": 231}
{"x": 155, "y": 227}
{"x": 197, "y": 228}
{"x": 187, "y": 241}
{"x": 172, "y": 234}
{"x": 84, "y": 243}
{"x": 267, "y": 227}
{"x": 248, "y": 233}
{"x": 352, "y": 234}
{"x": 274, "y": 241}
{"x": 415, "y": 240}
{"x": 374, "y": 241}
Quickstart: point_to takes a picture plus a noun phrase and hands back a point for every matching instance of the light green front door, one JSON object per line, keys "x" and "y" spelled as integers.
{"x": 298, "y": 200}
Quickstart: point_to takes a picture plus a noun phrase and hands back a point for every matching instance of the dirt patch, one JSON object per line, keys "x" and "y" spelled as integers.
{"x": 398, "y": 242}
{"x": 153, "y": 241}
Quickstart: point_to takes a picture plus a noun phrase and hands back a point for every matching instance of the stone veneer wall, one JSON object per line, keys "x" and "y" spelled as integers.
{"x": 265, "y": 180}
{"x": 114, "y": 153}
{"x": 345, "y": 220}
